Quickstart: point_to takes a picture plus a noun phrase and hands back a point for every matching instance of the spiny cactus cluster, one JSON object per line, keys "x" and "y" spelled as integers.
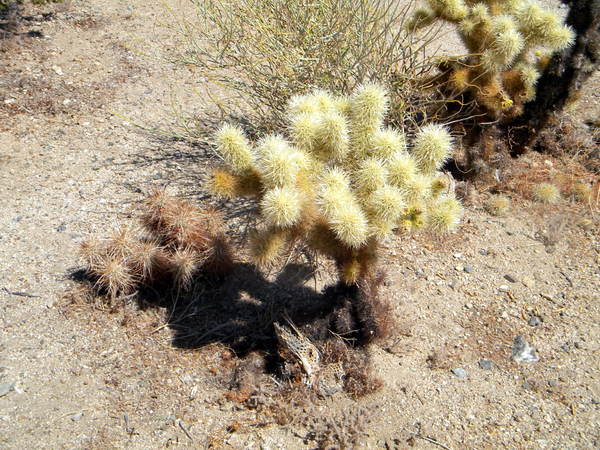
{"x": 172, "y": 244}
{"x": 509, "y": 44}
{"x": 340, "y": 181}
{"x": 546, "y": 193}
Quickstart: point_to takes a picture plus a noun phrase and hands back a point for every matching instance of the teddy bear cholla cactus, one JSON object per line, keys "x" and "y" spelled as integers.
{"x": 173, "y": 242}
{"x": 341, "y": 182}
{"x": 509, "y": 43}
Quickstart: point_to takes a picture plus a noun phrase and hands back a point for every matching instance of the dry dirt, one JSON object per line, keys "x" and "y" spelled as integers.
{"x": 73, "y": 375}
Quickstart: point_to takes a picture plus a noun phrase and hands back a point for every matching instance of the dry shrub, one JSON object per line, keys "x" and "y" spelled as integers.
{"x": 566, "y": 136}
{"x": 564, "y": 171}
{"x": 264, "y": 52}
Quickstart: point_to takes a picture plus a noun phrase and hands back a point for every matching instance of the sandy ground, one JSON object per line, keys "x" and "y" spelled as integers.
{"x": 74, "y": 375}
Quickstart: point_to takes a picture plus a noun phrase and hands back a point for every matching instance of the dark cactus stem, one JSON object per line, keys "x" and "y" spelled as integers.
{"x": 563, "y": 78}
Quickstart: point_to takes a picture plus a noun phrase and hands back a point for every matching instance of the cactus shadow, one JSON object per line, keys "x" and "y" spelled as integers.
{"x": 239, "y": 310}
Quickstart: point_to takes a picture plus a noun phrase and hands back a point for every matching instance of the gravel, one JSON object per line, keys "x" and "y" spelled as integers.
{"x": 522, "y": 351}
{"x": 5, "y": 388}
{"x": 460, "y": 373}
{"x": 486, "y": 364}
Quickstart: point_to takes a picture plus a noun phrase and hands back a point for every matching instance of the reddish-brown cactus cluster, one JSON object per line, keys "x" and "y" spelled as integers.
{"x": 174, "y": 242}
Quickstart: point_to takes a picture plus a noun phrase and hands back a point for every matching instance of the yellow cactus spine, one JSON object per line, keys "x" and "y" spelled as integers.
{"x": 332, "y": 136}
{"x": 387, "y": 142}
{"x": 452, "y": 10}
{"x": 281, "y": 206}
{"x": 368, "y": 106}
{"x": 444, "y": 215}
{"x": 432, "y": 147}
{"x": 370, "y": 176}
{"x": 266, "y": 246}
{"x": 278, "y": 162}
{"x": 235, "y": 149}
{"x": 402, "y": 168}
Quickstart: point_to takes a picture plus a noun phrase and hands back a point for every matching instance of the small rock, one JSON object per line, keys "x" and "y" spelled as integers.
{"x": 510, "y": 233}
{"x": 62, "y": 227}
{"x": 420, "y": 273}
{"x": 5, "y": 388}
{"x": 460, "y": 373}
{"x": 468, "y": 269}
{"x": 534, "y": 321}
{"x": 459, "y": 268}
{"x": 57, "y": 70}
{"x": 9, "y": 101}
{"x": 522, "y": 351}
{"x": 486, "y": 364}
{"x": 76, "y": 417}
{"x": 510, "y": 278}
{"x": 458, "y": 255}
{"x": 484, "y": 252}
{"x": 529, "y": 384}
{"x": 503, "y": 288}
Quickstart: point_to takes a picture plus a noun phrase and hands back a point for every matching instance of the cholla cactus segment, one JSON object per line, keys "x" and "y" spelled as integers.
{"x": 388, "y": 142}
{"x": 281, "y": 206}
{"x": 302, "y": 104}
{"x": 508, "y": 42}
{"x": 452, "y": 10}
{"x": 350, "y": 271}
{"x": 349, "y": 224}
{"x": 386, "y": 204}
{"x": 421, "y": 18}
{"x": 444, "y": 215}
{"x": 233, "y": 145}
{"x": 440, "y": 184}
{"x": 560, "y": 38}
{"x": 497, "y": 205}
{"x": 324, "y": 100}
{"x": 335, "y": 179}
{"x": 432, "y": 147}
{"x": 278, "y": 162}
{"x": 546, "y": 193}
{"x": 304, "y": 129}
{"x": 368, "y": 107}
{"x": 332, "y": 136}
{"x": 227, "y": 185}
{"x": 417, "y": 189}
{"x": 582, "y": 192}
{"x": 371, "y": 175}
{"x": 266, "y": 246}
{"x": 402, "y": 168}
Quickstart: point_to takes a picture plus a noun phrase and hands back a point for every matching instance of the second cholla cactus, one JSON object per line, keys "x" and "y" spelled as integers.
{"x": 338, "y": 180}
{"x": 509, "y": 43}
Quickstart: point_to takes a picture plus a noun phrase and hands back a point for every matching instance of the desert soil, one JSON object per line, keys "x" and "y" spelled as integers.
{"x": 75, "y": 374}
